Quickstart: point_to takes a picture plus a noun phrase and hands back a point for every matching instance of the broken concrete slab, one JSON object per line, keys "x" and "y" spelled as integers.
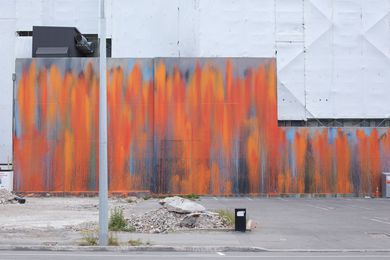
{"x": 181, "y": 205}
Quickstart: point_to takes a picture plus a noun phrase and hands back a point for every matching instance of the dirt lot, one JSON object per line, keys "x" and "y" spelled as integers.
{"x": 48, "y": 220}
{"x": 61, "y": 220}
{"x": 283, "y": 223}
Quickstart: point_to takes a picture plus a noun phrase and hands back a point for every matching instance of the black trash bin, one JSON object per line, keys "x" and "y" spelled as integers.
{"x": 240, "y": 220}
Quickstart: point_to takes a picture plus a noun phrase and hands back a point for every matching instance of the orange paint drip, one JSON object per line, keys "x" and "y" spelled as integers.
{"x": 300, "y": 149}
{"x": 343, "y": 163}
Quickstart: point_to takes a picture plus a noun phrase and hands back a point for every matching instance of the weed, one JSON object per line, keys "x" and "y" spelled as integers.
{"x": 89, "y": 238}
{"x": 138, "y": 242}
{"x": 227, "y": 215}
{"x": 135, "y": 242}
{"x": 129, "y": 228}
{"x": 191, "y": 196}
{"x": 113, "y": 240}
{"x": 131, "y": 200}
{"x": 118, "y": 221}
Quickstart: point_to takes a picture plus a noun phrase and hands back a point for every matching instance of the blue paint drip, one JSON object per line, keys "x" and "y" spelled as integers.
{"x": 130, "y": 65}
{"x": 290, "y": 134}
{"x": 18, "y": 129}
{"x": 252, "y": 111}
{"x": 147, "y": 73}
{"x": 292, "y": 160}
{"x": 367, "y": 131}
{"x": 351, "y": 137}
{"x": 131, "y": 161}
{"x": 332, "y": 132}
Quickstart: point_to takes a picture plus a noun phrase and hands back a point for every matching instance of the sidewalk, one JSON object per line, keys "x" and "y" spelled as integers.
{"x": 326, "y": 224}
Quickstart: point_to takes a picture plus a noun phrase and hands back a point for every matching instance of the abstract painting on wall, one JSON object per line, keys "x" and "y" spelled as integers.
{"x": 56, "y": 125}
{"x": 211, "y": 118}
{"x": 179, "y": 125}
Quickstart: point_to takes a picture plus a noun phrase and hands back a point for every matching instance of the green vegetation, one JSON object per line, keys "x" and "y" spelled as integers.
{"x": 113, "y": 240}
{"x": 227, "y": 215}
{"x": 138, "y": 242}
{"x": 135, "y": 242}
{"x": 191, "y": 196}
{"x": 118, "y": 222}
{"x": 90, "y": 238}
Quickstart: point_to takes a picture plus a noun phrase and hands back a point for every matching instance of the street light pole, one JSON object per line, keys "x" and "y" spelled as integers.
{"x": 103, "y": 185}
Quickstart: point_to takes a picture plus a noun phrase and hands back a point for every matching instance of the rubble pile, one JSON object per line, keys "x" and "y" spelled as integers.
{"x": 169, "y": 215}
{"x": 6, "y": 197}
{"x": 176, "y": 214}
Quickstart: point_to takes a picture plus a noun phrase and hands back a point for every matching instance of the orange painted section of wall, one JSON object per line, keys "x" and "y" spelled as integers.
{"x": 205, "y": 126}
{"x": 55, "y": 129}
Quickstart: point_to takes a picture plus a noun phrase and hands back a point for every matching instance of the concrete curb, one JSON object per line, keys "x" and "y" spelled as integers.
{"x": 330, "y": 250}
{"x": 156, "y": 248}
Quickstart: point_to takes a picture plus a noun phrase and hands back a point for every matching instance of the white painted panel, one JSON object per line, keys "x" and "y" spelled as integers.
{"x": 237, "y": 28}
{"x": 376, "y": 57}
{"x": 6, "y": 133}
{"x": 7, "y": 67}
{"x": 7, "y": 64}
{"x": 376, "y": 80}
{"x": 318, "y": 19}
{"x": 318, "y": 58}
{"x": 82, "y": 14}
{"x": 188, "y": 28}
{"x": 348, "y": 91}
{"x": 28, "y": 14}
{"x": 108, "y": 18}
{"x": 347, "y": 58}
{"x": 7, "y": 9}
{"x": 289, "y": 20}
{"x": 291, "y": 92}
{"x": 290, "y": 59}
{"x": 23, "y": 47}
{"x": 145, "y": 29}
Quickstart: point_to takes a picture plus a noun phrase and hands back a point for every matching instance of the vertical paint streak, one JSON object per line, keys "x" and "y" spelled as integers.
{"x": 375, "y": 161}
{"x": 300, "y": 149}
{"x": 343, "y": 162}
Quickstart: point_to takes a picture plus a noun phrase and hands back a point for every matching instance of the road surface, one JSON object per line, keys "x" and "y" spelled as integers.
{"x": 34, "y": 255}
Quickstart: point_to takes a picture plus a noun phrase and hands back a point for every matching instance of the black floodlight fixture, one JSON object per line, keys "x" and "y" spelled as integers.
{"x": 83, "y": 45}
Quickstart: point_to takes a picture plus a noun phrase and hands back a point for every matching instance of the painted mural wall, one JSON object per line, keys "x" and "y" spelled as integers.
{"x": 180, "y": 125}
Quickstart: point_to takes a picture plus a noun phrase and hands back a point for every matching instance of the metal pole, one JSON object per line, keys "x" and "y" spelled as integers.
{"x": 103, "y": 186}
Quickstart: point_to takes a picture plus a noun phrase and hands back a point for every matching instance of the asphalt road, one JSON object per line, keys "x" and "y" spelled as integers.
{"x": 34, "y": 255}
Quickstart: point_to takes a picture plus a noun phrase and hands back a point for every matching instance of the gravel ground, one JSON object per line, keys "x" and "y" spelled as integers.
{"x": 62, "y": 220}
{"x": 6, "y": 197}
